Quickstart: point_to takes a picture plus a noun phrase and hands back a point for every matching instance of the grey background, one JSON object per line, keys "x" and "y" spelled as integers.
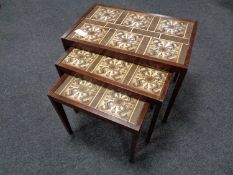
{"x": 196, "y": 140}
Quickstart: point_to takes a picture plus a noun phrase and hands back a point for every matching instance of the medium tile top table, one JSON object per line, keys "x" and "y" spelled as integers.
{"x": 146, "y": 81}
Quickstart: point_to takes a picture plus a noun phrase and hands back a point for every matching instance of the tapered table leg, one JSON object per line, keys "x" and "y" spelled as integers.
{"x": 66, "y": 47}
{"x": 175, "y": 77}
{"x": 62, "y": 115}
{"x": 174, "y": 94}
{"x": 153, "y": 121}
{"x": 133, "y": 146}
{"x": 59, "y": 71}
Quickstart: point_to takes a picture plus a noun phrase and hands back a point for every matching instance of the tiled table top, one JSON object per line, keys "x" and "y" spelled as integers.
{"x": 153, "y": 36}
{"x": 151, "y": 81}
{"x": 88, "y": 92}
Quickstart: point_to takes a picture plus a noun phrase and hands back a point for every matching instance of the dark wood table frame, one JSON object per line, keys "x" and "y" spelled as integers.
{"x": 58, "y": 100}
{"x": 180, "y": 70}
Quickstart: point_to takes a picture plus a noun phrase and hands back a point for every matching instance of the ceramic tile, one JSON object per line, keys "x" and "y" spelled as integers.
{"x": 117, "y": 104}
{"x": 106, "y": 14}
{"x": 164, "y": 49}
{"x": 90, "y": 32}
{"x": 80, "y": 59}
{"x": 81, "y": 90}
{"x": 171, "y": 27}
{"x": 137, "y": 20}
{"x": 112, "y": 68}
{"x": 125, "y": 40}
{"x": 149, "y": 80}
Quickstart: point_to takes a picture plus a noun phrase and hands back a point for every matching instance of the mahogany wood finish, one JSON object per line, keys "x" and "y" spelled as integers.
{"x": 133, "y": 146}
{"x": 153, "y": 121}
{"x": 62, "y": 115}
{"x": 177, "y": 87}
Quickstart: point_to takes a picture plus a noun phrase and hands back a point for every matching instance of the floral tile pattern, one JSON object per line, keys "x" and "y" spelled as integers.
{"x": 137, "y": 20}
{"x": 149, "y": 80}
{"x": 117, "y": 104}
{"x": 164, "y": 49}
{"x": 81, "y": 90}
{"x": 106, "y": 14}
{"x": 125, "y": 40}
{"x": 91, "y": 32}
{"x": 80, "y": 58}
{"x": 112, "y": 68}
{"x": 116, "y": 29}
{"x": 172, "y": 27}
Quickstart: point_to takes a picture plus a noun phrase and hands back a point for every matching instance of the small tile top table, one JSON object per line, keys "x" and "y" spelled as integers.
{"x": 144, "y": 38}
{"x": 117, "y": 106}
{"x": 121, "y": 108}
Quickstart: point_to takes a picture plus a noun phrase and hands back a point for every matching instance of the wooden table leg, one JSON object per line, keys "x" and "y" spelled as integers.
{"x": 133, "y": 146}
{"x": 153, "y": 121}
{"x": 175, "y": 77}
{"x": 174, "y": 94}
{"x": 64, "y": 43}
{"x": 62, "y": 115}
{"x": 60, "y": 73}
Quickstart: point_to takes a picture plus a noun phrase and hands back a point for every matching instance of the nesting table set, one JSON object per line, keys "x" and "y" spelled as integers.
{"x": 119, "y": 62}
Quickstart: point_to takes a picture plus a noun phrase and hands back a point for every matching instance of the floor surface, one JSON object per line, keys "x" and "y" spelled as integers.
{"x": 198, "y": 139}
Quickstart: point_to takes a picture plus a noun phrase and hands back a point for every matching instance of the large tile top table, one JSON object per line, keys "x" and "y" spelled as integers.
{"x": 144, "y": 38}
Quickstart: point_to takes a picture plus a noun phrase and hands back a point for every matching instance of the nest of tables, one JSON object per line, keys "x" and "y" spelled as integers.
{"x": 119, "y": 62}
